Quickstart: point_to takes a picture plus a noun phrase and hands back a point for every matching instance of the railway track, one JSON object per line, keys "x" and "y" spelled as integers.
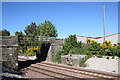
{"x": 80, "y": 70}
{"x": 63, "y": 72}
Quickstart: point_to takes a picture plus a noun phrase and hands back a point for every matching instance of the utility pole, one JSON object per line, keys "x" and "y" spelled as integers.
{"x": 104, "y": 21}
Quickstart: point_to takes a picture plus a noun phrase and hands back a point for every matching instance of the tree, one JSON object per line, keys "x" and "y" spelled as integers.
{"x": 31, "y": 29}
{"x": 4, "y": 33}
{"x": 47, "y": 29}
{"x": 18, "y": 34}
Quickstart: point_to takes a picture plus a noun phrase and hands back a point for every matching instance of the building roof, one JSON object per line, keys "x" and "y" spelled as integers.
{"x": 97, "y": 37}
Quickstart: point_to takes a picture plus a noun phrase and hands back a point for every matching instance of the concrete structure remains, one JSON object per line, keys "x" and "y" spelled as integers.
{"x": 8, "y": 48}
{"x": 104, "y": 64}
{"x": 72, "y": 60}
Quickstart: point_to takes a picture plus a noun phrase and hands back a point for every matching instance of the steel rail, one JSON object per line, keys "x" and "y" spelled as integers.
{"x": 72, "y": 77}
{"x": 85, "y": 70}
{"x": 43, "y": 73}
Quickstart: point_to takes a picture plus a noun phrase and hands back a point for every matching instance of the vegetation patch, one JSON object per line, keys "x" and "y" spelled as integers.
{"x": 72, "y": 46}
{"x": 29, "y": 45}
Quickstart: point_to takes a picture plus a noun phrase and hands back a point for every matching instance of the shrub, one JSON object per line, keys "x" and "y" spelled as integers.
{"x": 94, "y": 48}
{"x": 57, "y": 57}
{"x": 78, "y": 51}
{"x": 111, "y": 52}
{"x": 99, "y": 56}
{"x": 32, "y": 51}
{"x": 30, "y": 54}
{"x": 82, "y": 62}
{"x": 20, "y": 51}
{"x": 90, "y": 41}
{"x": 70, "y": 43}
{"x": 71, "y": 46}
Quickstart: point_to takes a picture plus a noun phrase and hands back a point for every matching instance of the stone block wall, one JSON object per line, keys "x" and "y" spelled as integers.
{"x": 72, "y": 60}
{"x": 8, "y": 49}
{"x": 55, "y": 47}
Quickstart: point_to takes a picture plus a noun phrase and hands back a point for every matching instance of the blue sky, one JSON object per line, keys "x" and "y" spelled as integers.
{"x": 78, "y": 18}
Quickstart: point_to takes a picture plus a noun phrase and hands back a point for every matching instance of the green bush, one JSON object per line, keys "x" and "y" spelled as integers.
{"x": 70, "y": 43}
{"x": 112, "y": 52}
{"x": 57, "y": 58}
{"x": 82, "y": 62}
{"x": 77, "y": 50}
{"x": 94, "y": 48}
{"x": 71, "y": 46}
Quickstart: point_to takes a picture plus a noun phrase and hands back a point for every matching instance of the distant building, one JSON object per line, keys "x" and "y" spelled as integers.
{"x": 113, "y": 38}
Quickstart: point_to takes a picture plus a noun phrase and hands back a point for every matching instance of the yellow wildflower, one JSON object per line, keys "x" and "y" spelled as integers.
{"x": 20, "y": 51}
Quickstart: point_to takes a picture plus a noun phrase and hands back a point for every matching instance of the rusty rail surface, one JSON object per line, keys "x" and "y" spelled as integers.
{"x": 61, "y": 72}
{"x": 96, "y": 72}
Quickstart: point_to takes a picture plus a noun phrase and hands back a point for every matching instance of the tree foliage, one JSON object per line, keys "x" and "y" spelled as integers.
{"x": 32, "y": 32}
{"x": 18, "y": 34}
{"x": 31, "y": 29}
{"x": 43, "y": 29}
{"x": 4, "y": 33}
{"x": 47, "y": 29}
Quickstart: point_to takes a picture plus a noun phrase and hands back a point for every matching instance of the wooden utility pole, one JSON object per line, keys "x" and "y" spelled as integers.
{"x": 104, "y": 22}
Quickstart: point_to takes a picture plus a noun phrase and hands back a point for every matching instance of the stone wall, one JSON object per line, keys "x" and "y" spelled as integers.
{"x": 8, "y": 49}
{"x": 55, "y": 47}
